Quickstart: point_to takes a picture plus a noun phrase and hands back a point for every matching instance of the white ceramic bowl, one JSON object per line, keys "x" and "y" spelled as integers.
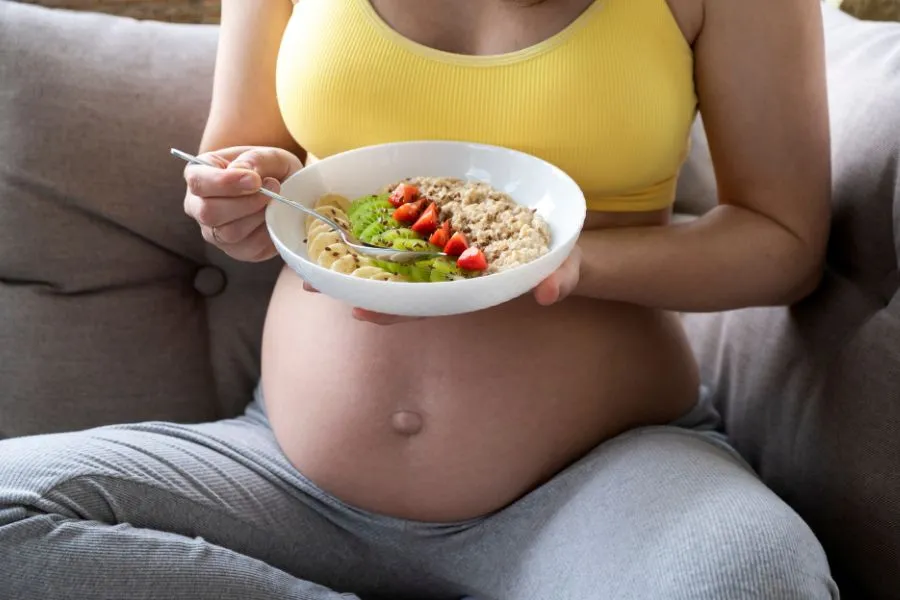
{"x": 528, "y": 180}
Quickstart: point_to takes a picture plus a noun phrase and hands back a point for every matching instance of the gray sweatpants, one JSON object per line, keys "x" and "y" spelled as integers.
{"x": 214, "y": 511}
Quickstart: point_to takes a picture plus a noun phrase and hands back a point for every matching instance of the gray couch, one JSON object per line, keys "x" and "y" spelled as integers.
{"x": 112, "y": 309}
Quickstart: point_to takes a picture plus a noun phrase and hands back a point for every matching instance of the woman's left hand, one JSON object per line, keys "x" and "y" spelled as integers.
{"x": 555, "y": 288}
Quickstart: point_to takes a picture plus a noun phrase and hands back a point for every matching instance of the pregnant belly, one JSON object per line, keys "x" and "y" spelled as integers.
{"x": 448, "y": 419}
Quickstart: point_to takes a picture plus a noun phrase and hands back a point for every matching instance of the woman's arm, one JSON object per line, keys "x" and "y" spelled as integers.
{"x": 761, "y": 83}
{"x": 244, "y": 110}
{"x": 245, "y": 135}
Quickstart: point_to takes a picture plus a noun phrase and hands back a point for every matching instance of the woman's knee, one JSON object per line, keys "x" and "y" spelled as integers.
{"x": 771, "y": 554}
{"x": 708, "y": 527}
{"x": 751, "y": 547}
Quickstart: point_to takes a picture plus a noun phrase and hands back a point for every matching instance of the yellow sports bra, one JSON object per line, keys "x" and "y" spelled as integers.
{"x": 610, "y": 99}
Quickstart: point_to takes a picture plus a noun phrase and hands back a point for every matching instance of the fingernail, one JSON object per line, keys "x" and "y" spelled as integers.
{"x": 271, "y": 184}
{"x": 248, "y": 182}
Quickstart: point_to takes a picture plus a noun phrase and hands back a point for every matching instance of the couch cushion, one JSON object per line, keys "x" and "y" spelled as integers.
{"x": 113, "y": 309}
{"x": 811, "y": 394}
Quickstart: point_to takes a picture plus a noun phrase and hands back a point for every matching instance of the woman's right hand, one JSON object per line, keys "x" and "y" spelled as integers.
{"x": 226, "y": 202}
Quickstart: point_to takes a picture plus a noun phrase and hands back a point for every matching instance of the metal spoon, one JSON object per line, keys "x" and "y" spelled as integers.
{"x": 388, "y": 254}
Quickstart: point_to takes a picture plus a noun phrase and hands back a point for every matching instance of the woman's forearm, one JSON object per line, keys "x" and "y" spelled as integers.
{"x": 244, "y": 108}
{"x": 730, "y": 258}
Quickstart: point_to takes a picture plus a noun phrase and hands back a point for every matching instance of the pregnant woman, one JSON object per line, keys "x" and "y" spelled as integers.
{"x": 560, "y": 446}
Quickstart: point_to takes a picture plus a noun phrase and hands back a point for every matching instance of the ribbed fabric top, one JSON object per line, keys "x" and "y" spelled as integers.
{"x": 610, "y": 99}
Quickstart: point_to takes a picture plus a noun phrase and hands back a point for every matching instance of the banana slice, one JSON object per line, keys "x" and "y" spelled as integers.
{"x": 331, "y": 254}
{"x": 316, "y": 246}
{"x": 345, "y": 264}
{"x": 335, "y": 200}
{"x": 317, "y": 228}
{"x": 335, "y": 214}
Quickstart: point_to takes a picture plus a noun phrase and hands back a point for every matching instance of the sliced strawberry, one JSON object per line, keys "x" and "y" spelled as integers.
{"x": 403, "y": 193}
{"x": 456, "y": 245}
{"x": 441, "y": 236}
{"x": 407, "y": 213}
{"x": 428, "y": 222}
{"x": 472, "y": 260}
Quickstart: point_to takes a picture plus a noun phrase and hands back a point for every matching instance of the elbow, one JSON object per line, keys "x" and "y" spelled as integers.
{"x": 806, "y": 285}
{"x": 804, "y": 255}
{"x": 808, "y": 273}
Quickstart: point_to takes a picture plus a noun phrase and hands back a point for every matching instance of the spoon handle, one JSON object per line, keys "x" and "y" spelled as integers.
{"x": 199, "y": 161}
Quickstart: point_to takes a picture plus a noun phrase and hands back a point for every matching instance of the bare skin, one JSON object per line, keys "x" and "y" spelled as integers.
{"x": 610, "y": 357}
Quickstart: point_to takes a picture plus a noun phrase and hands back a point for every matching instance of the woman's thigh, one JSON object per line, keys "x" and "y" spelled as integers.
{"x": 660, "y": 513}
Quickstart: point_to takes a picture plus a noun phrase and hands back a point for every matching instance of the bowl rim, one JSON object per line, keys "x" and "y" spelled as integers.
{"x": 496, "y": 278}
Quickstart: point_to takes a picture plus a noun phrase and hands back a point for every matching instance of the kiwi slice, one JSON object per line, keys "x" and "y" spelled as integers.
{"x": 414, "y": 245}
{"x": 445, "y": 265}
{"x": 365, "y": 203}
{"x": 416, "y": 273}
{"x": 387, "y": 238}
{"x": 392, "y": 267}
{"x": 438, "y": 276}
{"x": 371, "y": 224}
{"x": 419, "y": 274}
{"x": 377, "y": 227}
{"x": 368, "y": 210}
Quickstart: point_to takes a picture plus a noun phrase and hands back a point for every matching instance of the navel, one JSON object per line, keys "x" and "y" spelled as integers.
{"x": 406, "y": 422}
